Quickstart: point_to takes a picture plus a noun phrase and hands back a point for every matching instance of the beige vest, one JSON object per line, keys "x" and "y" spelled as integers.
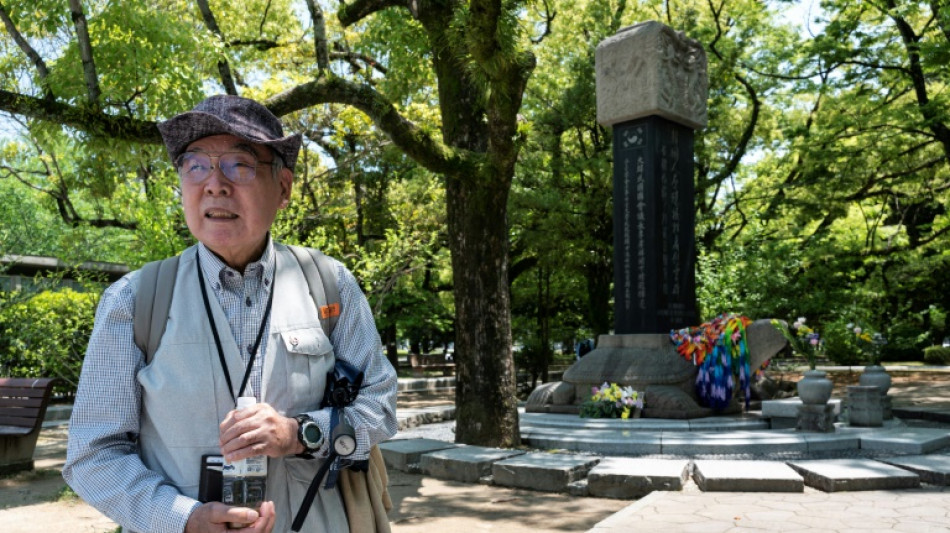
{"x": 185, "y": 396}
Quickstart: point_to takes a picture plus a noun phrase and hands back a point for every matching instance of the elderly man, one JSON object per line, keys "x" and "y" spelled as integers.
{"x": 140, "y": 426}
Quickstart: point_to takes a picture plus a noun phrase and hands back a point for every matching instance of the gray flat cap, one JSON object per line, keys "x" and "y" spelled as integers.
{"x": 226, "y": 114}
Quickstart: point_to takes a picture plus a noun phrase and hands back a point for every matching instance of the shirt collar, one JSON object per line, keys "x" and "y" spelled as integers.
{"x": 218, "y": 272}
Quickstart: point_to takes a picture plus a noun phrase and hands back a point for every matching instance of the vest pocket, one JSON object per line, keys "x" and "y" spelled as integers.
{"x": 306, "y": 341}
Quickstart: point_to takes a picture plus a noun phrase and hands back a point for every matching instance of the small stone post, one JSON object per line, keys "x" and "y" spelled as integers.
{"x": 865, "y": 406}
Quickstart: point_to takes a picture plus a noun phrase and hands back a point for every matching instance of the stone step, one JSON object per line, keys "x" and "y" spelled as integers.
{"x": 933, "y": 469}
{"x": 835, "y": 475}
{"x": 404, "y": 454}
{"x": 468, "y": 464}
{"x": 426, "y": 384}
{"x": 746, "y": 476}
{"x": 409, "y": 418}
{"x": 605, "y": 443}
{"x": 630, "y": 443}
{"x": 549, "y": 472}
{"x": 629, "y": 478}
{"x": 635, "y": 477}
{"x": 713, "y": 423}
{"x": 906, "y": 440}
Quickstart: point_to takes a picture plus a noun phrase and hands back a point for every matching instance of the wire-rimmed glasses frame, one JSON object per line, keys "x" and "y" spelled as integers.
{"x": 238, "y": 167}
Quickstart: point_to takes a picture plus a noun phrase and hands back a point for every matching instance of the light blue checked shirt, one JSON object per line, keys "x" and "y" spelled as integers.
{"x": 102, "y": 463}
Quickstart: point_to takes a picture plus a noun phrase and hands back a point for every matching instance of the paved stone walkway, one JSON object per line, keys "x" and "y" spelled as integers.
{"x": 727, "y": 473}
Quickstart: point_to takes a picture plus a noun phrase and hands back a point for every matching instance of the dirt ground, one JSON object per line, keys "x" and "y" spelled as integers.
{"x": 39, "y": 500}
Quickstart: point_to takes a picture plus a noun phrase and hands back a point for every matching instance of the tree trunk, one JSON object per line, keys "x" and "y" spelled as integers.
{"x": 485, "y": 390}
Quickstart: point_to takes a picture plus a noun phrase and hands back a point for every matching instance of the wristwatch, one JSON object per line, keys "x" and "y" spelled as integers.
{"x": 309, "y": 434}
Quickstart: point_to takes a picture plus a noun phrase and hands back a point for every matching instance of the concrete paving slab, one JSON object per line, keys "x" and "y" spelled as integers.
{"x": 549, "y": 472}
{"x": 906, "y": 440}
{"x": 835, "y": 475}
{"x": 399, "y": 454}
{"x": 465, "y": 463}
{"x": 629, "y": 478}
{"x": 746, "y": 476}
{"x": 933, "y": 469}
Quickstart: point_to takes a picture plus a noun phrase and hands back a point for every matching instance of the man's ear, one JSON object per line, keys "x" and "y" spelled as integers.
{"x": 286, "y": 185}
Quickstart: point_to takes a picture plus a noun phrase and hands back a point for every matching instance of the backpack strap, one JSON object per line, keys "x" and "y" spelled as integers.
{"x": 152, "y": 302}
{"x": 157, "y": 284}
{"x": 321, "y": 280}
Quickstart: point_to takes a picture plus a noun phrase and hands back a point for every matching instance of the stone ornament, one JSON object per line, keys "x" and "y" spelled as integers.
{"x": 650, "y": 69}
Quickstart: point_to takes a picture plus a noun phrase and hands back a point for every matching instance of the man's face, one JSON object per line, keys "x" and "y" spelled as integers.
{"x": 232, "y": 219}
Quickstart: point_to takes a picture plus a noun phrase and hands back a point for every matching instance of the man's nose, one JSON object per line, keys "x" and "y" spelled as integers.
{"x": 217, "y": 182}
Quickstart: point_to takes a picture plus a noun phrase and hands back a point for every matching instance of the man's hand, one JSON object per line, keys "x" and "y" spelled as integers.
{"x": 258, "y": 430}
{"x": 214, "y": 517}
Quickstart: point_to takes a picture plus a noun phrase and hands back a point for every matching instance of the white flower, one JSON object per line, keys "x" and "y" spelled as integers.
{"x": 857, "y": 330}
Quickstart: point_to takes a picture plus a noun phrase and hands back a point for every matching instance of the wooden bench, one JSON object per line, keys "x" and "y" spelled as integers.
{"x": 23, "y": 404}
{"x": 430, "y": 361}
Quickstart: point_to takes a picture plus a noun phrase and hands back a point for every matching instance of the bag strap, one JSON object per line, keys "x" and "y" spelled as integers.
{"x": 152, "y": 302}
{"x": 157, "y": 284}
{"x": 321, "y": 280}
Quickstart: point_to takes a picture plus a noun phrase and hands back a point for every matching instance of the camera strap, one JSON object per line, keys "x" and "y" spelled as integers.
{"x": 217, "y": 338}
{"x": 342, "y": 388}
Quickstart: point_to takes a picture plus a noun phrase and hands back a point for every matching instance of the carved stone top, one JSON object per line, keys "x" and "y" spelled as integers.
{"x": 649, "y": 69}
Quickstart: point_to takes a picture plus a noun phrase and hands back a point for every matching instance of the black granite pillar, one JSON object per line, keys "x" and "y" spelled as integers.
{"x": 654, "y": 235}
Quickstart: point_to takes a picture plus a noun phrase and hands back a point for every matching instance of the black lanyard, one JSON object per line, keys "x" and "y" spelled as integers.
{"x": 217, "y": 338}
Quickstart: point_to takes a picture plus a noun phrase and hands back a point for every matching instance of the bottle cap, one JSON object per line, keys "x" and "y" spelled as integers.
{"x": 246, "y": 401}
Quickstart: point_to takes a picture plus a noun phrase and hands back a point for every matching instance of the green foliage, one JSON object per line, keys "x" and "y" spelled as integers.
{"x": 937, "y": 355}
{"x": 46, "y": 335}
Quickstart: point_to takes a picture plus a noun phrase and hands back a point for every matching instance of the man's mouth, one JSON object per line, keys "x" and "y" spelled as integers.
{"x": 218, "y": 214}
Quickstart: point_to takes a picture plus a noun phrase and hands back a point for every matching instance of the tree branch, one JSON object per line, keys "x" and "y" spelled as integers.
{"x": 38, "y": 62}
{"x": 549, "y": 15}
{"x": 418, "y": 144}
{"x": 919, "y": 80}
{"x": 352, "y": 13}
{"x": 319, "y": 35}
{"x": 92, "y": 122}
{"x": 353, "y": 58}
{"x": 85, "y": 53}
{"x": 224, "y": 69}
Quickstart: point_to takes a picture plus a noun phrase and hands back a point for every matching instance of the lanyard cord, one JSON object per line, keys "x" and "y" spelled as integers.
{"x": 217, "y": 338}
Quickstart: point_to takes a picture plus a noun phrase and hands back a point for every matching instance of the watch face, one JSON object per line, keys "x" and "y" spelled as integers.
{"x": 344, "y": 445}
{"x": 311, "y": 433}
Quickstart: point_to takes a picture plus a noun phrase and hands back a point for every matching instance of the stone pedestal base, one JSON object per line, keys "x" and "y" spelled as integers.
{"x": 865, "y": 406}
{"x": 816, "y": 418}
{"x": 886, "y": 412}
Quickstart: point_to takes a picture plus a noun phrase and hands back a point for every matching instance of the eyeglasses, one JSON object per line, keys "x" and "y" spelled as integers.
{"x": 237, "y": 167}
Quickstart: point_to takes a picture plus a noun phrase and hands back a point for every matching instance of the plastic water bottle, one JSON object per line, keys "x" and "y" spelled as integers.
{"x": 243, "y": 482}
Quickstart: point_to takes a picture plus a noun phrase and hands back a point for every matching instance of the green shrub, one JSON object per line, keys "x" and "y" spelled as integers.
{"x": 46, "y": 336}
{"x": 937, "y": 355}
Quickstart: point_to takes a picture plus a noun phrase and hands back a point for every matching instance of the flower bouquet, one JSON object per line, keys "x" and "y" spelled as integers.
{"x": 612, "y": 401}
{"x": 868, "y": 343}
{"x": 804, "y": 340}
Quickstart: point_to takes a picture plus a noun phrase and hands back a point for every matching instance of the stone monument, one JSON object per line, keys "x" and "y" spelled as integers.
{"x": 652, "y": 90}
